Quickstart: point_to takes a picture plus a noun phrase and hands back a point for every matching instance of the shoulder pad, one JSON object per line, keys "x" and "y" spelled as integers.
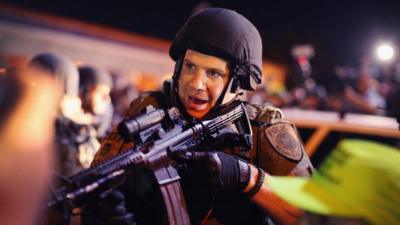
{"x": 285, "y": 140}
{"x": 111, "y": 145}
{"x": 155, "y": 99}
{"x": 263, "y": 113}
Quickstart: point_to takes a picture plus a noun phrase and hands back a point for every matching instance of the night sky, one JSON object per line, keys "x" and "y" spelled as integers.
{"x": 341, "y": 31}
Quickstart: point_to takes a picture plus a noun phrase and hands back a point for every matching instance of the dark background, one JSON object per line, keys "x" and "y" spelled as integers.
{"x": 341, "y": 31}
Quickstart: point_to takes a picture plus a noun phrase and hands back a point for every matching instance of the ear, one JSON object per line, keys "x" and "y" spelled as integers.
{"x": 244, "y": 78}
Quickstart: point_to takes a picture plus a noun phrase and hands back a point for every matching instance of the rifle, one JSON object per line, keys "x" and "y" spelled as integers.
{"x": 160, "y": 136}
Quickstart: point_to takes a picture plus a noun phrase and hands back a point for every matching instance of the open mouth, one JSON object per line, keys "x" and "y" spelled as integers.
{"x": 197, "y": 101}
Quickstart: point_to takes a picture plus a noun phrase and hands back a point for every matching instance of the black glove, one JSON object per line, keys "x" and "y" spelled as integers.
{"x": 58, "y": 214}
{"x": 218, "y": 170}
{"x": 110, "y": 209}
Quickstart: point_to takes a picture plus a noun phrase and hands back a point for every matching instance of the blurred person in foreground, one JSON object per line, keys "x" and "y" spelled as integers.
{"x": 28, "y": 108}
{"x": 218, "y": 55}
{"x": 357, "y": 184}
{"x": 76, "y": 143}
{"x": 94, "y": 90}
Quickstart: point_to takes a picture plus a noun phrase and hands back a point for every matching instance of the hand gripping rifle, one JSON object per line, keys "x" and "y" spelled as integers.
{"x": 155, "y": 150}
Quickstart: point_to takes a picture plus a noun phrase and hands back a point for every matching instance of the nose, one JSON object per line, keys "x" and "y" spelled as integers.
{"x": 198, "y": 81}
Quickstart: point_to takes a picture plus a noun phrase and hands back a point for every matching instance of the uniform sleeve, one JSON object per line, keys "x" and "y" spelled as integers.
{"x": 277, "y": 145}
{"x": 281, "y": 151}
{"x": 111, "y": 145}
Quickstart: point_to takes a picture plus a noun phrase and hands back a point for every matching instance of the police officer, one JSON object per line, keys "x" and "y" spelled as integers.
{"x": 94, "y": 90}
{"x": 26, "y": 132}
{"x": 75, "y": 139}
{"x": 218, "y": 55}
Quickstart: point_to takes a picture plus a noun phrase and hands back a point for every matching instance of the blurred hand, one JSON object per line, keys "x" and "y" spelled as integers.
{"x": 110, "y": 209}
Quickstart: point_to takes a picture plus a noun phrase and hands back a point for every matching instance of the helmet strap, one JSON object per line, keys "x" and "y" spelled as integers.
{"x": 175, "y": 81}
{"x": 232, "y": 89}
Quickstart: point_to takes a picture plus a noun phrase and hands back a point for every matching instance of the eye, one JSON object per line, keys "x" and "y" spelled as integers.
{"x": 214, "y": 73}
{"x": 189, "y": 66}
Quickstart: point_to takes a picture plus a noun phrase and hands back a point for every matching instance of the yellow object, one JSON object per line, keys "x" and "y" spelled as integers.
{"x": 359, "y": 179}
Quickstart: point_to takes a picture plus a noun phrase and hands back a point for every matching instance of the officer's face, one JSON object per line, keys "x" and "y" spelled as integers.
{"x": 201, "y": 81}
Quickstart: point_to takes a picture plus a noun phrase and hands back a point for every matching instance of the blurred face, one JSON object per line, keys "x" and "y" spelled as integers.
{"x": 201, "y": 82}
{"x": 100, "y": 99}
{"x": 364, "y": 83}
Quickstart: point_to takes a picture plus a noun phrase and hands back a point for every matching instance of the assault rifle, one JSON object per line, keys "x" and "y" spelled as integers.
{"x": 159, "y": 135}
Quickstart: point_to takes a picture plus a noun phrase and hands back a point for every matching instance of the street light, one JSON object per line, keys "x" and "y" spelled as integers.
{"x": 385, "y": 52}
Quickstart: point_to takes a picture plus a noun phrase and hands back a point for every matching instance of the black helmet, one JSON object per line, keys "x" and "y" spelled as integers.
{"x": 61, "y": 67}
{"x": 226, "y": 34}
{"x": 90, "y": 76}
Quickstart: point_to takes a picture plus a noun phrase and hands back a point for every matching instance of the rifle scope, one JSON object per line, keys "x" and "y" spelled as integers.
{"x": 129, "y": 128}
